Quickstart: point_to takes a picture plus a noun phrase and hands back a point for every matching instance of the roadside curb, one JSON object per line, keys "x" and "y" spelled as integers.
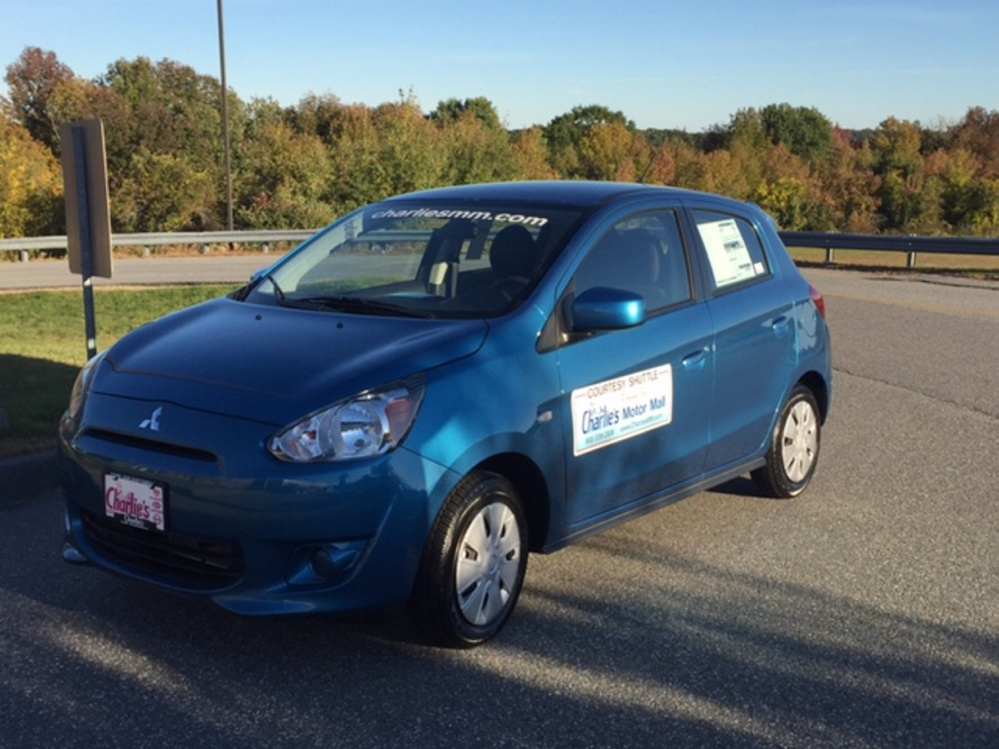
{"x": 23, "y": 478}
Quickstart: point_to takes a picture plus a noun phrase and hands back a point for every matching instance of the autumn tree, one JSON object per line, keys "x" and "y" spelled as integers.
{"x": 530, "y": 155}
{"x": 978, "y": 133}
{"x": 319, "y": 115}
{"x": 410, "y": 147}
{"x": 30, "y": 184}
{"x": 565, "y": 133}
{"x": 476, "y": 151}
{"x": 358, "y": 175}
{"x": 849, "y": 188}
{"x": 908, "y": 203}
{"x": 32, "y": 81}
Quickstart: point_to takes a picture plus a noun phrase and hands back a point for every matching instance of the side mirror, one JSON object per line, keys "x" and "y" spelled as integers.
{"x": 601, "y": 308}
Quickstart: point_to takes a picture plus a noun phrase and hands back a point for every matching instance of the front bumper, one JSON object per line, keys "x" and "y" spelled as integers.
{"x": 256, "y": 535}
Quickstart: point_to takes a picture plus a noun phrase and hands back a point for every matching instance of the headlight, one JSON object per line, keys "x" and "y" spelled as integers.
{"x": 82, "y": 386}
{"x": 368, "y": 424}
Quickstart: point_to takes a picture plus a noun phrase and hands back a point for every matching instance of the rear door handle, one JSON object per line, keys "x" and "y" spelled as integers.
{"x": 781, "y": 326}
{"x": 695, "y": 362}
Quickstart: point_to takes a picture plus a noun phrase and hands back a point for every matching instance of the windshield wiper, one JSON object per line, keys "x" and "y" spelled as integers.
{"x": 358, "y": 305}
{"x": 282, "y": 299}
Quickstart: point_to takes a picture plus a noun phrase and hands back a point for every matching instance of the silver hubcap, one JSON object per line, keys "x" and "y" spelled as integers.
{"x": 800, "y": 441}
{"x": 488, "y": 562}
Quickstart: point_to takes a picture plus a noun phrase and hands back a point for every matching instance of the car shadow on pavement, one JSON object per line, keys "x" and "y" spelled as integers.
{"x": 741, "y": 486}
{"x": 33, "y": 395}
{"x": 699, "y": 654}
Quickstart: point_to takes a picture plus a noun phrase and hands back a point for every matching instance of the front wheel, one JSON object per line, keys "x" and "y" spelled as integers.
{"x": 474, "y": 563}
{"x": 794, "y": 448}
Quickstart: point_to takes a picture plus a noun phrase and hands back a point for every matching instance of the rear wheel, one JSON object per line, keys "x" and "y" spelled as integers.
{"x": 474, "y": 564}
{"x": 794, "y": 448}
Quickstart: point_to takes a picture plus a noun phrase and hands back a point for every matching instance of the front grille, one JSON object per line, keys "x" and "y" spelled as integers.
{"x": 156, "y": 446}
{"x": 182, "y": 560}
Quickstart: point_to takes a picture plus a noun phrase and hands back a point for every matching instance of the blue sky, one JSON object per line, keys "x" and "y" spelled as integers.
{"x": 664, "y": 64}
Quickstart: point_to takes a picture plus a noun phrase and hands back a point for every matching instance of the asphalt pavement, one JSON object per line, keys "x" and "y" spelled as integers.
{"x": 219, "y": 267}
{"x": 863, "y": 614}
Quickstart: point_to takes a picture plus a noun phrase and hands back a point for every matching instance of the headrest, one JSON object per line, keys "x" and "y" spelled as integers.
{"x": 513, "y": 252}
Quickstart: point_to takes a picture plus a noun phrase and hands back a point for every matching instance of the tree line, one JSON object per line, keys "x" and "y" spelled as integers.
{"x": 302, "y": 166}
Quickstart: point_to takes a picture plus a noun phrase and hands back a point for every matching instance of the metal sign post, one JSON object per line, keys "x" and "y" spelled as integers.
{"x": 88, "y": 217}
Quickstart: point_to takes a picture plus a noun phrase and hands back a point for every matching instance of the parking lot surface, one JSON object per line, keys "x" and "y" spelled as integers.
{"x": 862, "y": 614}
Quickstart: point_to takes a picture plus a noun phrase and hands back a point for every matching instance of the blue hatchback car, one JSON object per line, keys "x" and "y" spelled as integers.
{"x": 437, "y": 384}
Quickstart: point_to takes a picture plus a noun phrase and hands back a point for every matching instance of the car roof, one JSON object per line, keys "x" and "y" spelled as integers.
{"x": 580, "y": 194}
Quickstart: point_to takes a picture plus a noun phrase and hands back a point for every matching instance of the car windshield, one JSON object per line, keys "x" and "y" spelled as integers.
{"x": 420, "y": 260}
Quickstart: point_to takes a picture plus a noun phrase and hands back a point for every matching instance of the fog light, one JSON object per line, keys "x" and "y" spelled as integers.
{"x": 329, "y": 563}
{"x": 72, "y": 555}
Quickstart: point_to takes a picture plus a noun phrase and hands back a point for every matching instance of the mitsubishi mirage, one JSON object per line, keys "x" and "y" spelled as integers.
{"x": 404, "y": 407}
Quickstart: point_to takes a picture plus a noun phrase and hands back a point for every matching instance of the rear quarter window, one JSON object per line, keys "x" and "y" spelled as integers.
{"x": 733, "y": 248}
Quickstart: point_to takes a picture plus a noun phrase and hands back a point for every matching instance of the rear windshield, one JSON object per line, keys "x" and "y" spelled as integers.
{"x": 421, "y": 260}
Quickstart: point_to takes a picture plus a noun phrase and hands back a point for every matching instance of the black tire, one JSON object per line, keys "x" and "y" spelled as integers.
{"x": 474, "y": 563}
{"x": 794, "y": 448}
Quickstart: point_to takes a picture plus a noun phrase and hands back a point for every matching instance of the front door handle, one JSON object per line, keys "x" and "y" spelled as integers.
{"x": 695, "y": 361}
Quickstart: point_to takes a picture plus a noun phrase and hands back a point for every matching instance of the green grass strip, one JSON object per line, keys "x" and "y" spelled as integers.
{"x": 43, "y": 346}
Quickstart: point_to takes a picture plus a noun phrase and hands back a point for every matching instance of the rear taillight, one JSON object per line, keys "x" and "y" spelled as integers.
{"x": 820, "y": 303}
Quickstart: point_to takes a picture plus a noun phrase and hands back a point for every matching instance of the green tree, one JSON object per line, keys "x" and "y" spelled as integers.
{"x": 284, "y": 182}
{"x": 165, "y": 192}
{"x": 746, "y": 130}
{"x": 804, "y": 130}
{"x": 167, "y": 109}
{"x": 451, "y": 111}
{"x": 172, "y": 109}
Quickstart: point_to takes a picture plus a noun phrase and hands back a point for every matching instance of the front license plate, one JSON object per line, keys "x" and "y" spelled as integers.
{"x": 135, "y": 502}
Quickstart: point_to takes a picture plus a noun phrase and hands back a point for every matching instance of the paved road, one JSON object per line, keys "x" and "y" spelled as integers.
{"x": 863, "y": 614}
{"x": 217, "y": 268}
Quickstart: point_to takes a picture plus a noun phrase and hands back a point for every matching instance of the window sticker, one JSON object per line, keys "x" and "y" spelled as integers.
{"x": 727, "y": 252}
{"x": 622, "y": 408}
{"x": 449, "y": 213}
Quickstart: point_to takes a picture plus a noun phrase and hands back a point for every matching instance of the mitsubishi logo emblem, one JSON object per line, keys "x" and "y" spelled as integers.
{"x": 153, "y": 422}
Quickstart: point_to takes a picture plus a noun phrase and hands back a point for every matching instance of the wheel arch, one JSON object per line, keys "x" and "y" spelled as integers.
{"x": 820, "y": 389}
{"x": 532, "y": 489}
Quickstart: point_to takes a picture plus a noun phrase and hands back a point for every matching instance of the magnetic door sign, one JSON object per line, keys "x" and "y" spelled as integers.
{"x": 622, "y": 408}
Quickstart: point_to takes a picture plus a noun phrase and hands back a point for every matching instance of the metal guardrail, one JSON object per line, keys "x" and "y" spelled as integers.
{"x": 204, "y": 238}
{"x": 830, "y": 242}
{"x": 890, "y": 243}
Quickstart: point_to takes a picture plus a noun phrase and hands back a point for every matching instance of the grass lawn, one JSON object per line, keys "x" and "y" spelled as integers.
{"x": 43, "y": 346}
{"x": 974, "y": 266}
{"x": 42, "y": 339}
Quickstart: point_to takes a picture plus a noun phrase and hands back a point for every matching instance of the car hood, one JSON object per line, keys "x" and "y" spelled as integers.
{"x": 274, "y": 364}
